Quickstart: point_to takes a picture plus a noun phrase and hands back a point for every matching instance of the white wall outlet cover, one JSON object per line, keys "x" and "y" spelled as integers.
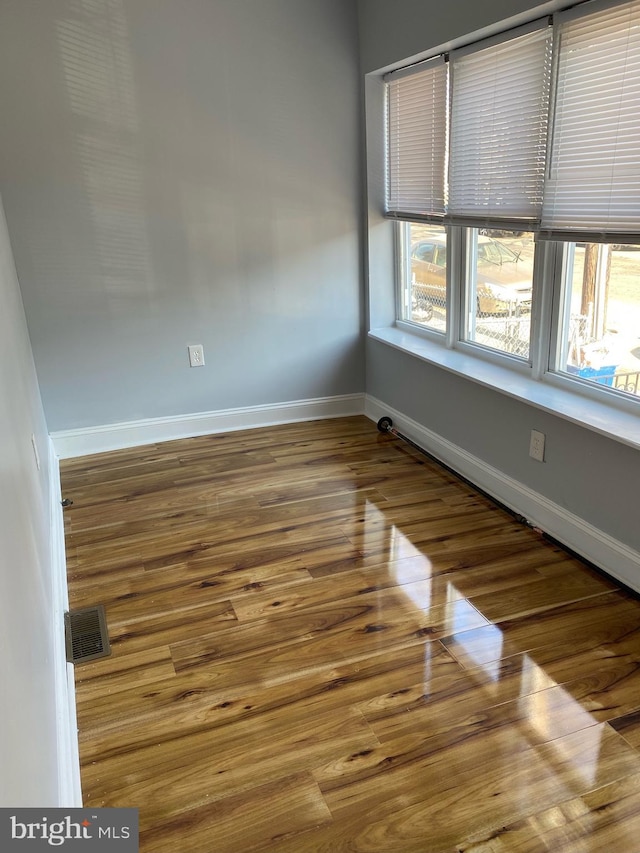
{"x": 196, "y": 355}
{"x": 536, "y": 445}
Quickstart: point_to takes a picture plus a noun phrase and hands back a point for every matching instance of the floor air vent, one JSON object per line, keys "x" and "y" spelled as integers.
{"x": 86, "y": 634}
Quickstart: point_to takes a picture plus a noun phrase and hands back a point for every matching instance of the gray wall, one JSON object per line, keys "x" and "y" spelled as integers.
{"x": 176, "y": 173}
{"x": 586, "y": 473}
{"x": 28, "y": 746}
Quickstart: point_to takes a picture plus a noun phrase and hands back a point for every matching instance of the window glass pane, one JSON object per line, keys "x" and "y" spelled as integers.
{"x": 601, "y": 323}
{"x": 424, "y": 296}
{"x": 499, "y": 290}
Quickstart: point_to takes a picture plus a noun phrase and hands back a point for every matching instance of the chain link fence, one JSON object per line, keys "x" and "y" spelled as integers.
{"x": 506, "y": 334}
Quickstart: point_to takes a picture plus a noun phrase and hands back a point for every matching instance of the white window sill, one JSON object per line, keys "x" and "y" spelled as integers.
{"x": 607, "y": 420}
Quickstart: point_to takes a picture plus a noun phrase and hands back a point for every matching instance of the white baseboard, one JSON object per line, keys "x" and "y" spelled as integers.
{"x": 612, "y": 556}
{"x": 69, "y": 788}
{"x": 99, "y": 439}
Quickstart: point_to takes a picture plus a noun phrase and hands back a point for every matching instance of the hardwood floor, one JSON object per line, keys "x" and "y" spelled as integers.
{"x": 322, "y": 641}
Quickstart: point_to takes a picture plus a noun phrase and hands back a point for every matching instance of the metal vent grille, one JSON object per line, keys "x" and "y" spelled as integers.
{"x": 86, "y": 634}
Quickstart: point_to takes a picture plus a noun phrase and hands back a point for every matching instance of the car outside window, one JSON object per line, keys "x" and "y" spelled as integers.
{"x": 424, "y": 281}
{"x": 499, "y": 291}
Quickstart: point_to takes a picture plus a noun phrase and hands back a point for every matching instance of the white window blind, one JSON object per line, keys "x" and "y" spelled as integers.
{"x": 499, "y": 119}
{"x": 417, "y": 141}
{"x": 593, "y": 182}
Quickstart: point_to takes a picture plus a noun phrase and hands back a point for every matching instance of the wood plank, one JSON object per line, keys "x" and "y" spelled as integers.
{"x": 102, "y": 678}
{"x": 408, "y": 578}
{"x": 354, "y": 622}
{"x": 134, "y": 632}
{"x": 607, "y": 818}
{"x": 436, "y": 796}
{"x": 568, "y": 587}
{"x": 260, "y": 819}
{"x": 609, "y": 618}
{"x": 208, "y": 765}
{"x": 207, "y": 699}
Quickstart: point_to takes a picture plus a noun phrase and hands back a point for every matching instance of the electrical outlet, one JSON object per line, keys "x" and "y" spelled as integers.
{"x": 196, "y": 355}
{"x": 536, "y": 445}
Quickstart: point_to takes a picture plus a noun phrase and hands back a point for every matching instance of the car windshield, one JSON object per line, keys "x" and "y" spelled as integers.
{"x": 493, "y": 252}
{"x": 423, "y": 252}
{"x": 431, "y": 253}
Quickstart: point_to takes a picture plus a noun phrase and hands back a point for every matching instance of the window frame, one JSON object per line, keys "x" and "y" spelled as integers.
{"x": 547, "y": 314}
{"x": 457, "y": 275}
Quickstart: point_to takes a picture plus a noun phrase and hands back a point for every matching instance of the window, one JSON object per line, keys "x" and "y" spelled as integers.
{"x": 599, "y": 338}
{"x": 513, "y": 167}
{"x": 500, "y": 291}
